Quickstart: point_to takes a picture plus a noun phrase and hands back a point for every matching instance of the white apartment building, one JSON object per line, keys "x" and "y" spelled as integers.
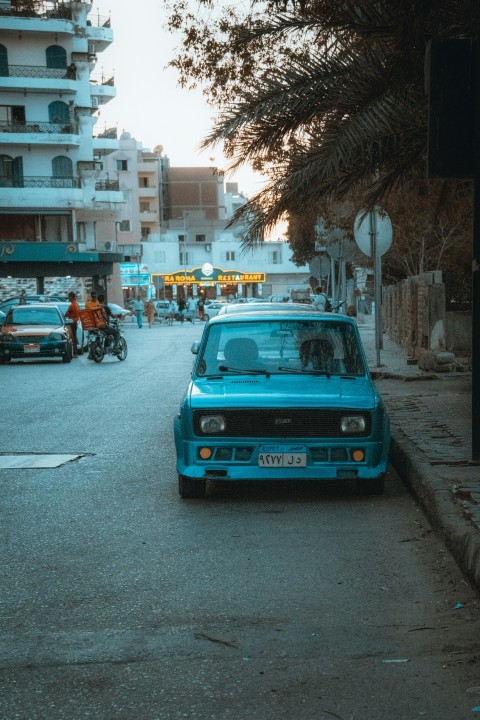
{"x": 173, "y": 231}
{"x": 58, "y": 215}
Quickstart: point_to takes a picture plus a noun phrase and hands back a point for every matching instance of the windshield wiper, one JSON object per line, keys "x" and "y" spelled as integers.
{"x": 243, "y": 371}
{"x": 304, "y": 372}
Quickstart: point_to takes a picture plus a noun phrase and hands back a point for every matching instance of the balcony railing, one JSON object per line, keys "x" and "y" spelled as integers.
{"x": 102, "y": 79}
{"x": 107, "y": 185}
{"x": 40, "y": 181}
{"x": 35, "y": 71}
{"x": 107, "y": 134}
{"x": 38, "y": 127}
{"x": 47, "y": 8}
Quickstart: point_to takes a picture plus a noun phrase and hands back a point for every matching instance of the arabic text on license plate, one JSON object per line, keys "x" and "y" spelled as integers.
{"x": 282, "y": 456}
{"x": 31, "y": 348}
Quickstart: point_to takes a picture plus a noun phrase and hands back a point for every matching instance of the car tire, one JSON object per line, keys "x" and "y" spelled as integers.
{"x": 191, "y": 487}
{"x": 123, "y": 349}
{"x": 375, "y": 486}
{"x": 68, "y": 354}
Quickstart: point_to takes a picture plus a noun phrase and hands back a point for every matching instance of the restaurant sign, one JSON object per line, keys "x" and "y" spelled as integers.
{"x": 209, "y": 274}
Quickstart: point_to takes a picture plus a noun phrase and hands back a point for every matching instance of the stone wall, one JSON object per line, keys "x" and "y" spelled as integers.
{"x": 414, "y": 316}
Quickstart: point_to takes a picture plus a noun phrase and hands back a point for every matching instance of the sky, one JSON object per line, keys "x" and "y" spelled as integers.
{"x": 149, "y": 103}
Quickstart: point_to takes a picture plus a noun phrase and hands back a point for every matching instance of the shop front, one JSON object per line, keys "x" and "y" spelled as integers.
{"x": 210, "y": 282}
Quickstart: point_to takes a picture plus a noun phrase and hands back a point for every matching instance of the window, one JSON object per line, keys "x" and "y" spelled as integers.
{"x": 275, "y": 257}
{"x": 230, "y": 255}
{"x": 182, "y": 238}
{"x": 58, "y": 112}
{"x": 187, "y": 261}
{"x": 124, "y": 226}
{"x": 145, "y": 233}
{"x": 122, "y": 165}
{"x": 3, "y": 61}
{"x": 143, "y": 182}
{"x": 62, "y": 167}
{"x": 144, "y": 207}
{"x": 56, "y": 57}
{"x": 200, "y": 238}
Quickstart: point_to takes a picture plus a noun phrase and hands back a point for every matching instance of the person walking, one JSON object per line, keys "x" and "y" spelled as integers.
{"x": 201, "y": 307}
{"x": 172, "y": 309}
{"x": 320, "y": 299}
{"x": 73, "y": 315}
{"x": 192, "y": 309}
{"x": 182, "y": 308}
{"x": 150, "y": 313}
{"x": 138, "y": 309}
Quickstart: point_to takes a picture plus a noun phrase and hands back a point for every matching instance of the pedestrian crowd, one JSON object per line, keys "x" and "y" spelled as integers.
{"x": 189, "y": 309}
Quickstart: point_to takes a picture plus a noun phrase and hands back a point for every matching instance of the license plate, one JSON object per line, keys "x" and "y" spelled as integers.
{"x": 31, "y": 348}
{"x": 290, "y": 456}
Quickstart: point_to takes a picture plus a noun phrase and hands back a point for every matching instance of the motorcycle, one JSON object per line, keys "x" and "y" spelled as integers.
{"x": 100, "y": 344}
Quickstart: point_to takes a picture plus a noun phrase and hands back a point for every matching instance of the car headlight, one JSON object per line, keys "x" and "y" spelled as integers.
{"x": 56, "y": 336}
{"x": 210, "y": 424}
{"x": 352, "y": 424}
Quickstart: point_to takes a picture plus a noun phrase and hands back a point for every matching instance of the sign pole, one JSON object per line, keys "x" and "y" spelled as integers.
{"x": 377, "y": 279}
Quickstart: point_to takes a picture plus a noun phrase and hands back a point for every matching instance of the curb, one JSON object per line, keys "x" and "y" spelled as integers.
{"x": 438, "y": 504}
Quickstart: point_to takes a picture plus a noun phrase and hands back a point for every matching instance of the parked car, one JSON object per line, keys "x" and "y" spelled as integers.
{"x": 35, "y": 331}
{"x": 212, "y": 309}
{"x": 29, "y": 299}
{"x": 281, "y": 395}
{"x": 162, "y": 308}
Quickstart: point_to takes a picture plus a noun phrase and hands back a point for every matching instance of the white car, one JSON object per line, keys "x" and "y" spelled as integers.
{"x": 212, "y": 309}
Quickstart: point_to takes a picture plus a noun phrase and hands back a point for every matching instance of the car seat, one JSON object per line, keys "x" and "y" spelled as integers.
{"x": 318, "y": 354}
{"x": 241, "y": 353}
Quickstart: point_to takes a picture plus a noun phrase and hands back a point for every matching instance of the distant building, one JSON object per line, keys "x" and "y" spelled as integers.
{"x": 173, "y": 231}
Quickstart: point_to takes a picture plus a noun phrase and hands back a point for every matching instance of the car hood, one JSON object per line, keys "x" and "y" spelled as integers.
{"x": 24, "y": 330}
{"x": 283, "y": 391}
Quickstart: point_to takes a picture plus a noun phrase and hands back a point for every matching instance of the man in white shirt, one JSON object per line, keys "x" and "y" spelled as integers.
{"x": 320, "y": 299}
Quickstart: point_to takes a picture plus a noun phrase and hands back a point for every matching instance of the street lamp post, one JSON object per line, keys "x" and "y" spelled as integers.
{"x": 185, "y": 256}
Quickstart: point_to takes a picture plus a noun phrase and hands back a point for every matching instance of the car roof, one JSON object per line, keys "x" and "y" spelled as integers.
{"x": 284, "y": 311}
{"x": 267, "y": 307}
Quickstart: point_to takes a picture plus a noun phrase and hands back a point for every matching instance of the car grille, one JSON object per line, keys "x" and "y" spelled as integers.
{"x": 295, "y": 423}
{"x": 28, "y": 339}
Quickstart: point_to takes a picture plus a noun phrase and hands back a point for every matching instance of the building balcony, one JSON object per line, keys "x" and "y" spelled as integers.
{"x": 39, "y": 181}
{"x": 149, "y": 217}
{"x": 147, "y": 192}
{"x": 39, "y": 133}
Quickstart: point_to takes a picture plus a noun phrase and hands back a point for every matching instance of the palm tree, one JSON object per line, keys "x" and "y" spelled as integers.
{"x": 347, "y": 113}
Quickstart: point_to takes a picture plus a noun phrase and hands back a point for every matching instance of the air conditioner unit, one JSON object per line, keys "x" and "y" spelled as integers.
{"x": 94, "y": 101}
{"x": 108, "y": 246}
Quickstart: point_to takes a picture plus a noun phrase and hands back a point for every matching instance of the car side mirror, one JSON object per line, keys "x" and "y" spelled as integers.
{"x": 195, "y": 347}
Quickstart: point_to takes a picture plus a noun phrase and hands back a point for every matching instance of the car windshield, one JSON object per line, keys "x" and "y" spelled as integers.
{"x": 303, "y": 346}
{"x": 29, "y": 315}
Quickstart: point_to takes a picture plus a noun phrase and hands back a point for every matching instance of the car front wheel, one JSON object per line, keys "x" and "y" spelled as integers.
{"x": 191, "y": 487}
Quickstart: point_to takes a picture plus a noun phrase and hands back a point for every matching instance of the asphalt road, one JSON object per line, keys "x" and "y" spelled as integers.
{"x": 119, "y": 601}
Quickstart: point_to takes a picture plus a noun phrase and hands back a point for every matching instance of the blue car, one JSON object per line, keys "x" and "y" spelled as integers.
{"x": 278, "y": 395}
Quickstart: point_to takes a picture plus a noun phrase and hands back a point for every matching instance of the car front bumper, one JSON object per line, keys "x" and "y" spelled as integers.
{"x": 232, "y": 459}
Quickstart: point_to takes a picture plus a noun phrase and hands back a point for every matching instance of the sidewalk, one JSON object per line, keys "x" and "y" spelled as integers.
{"x": 431, "y": 420}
